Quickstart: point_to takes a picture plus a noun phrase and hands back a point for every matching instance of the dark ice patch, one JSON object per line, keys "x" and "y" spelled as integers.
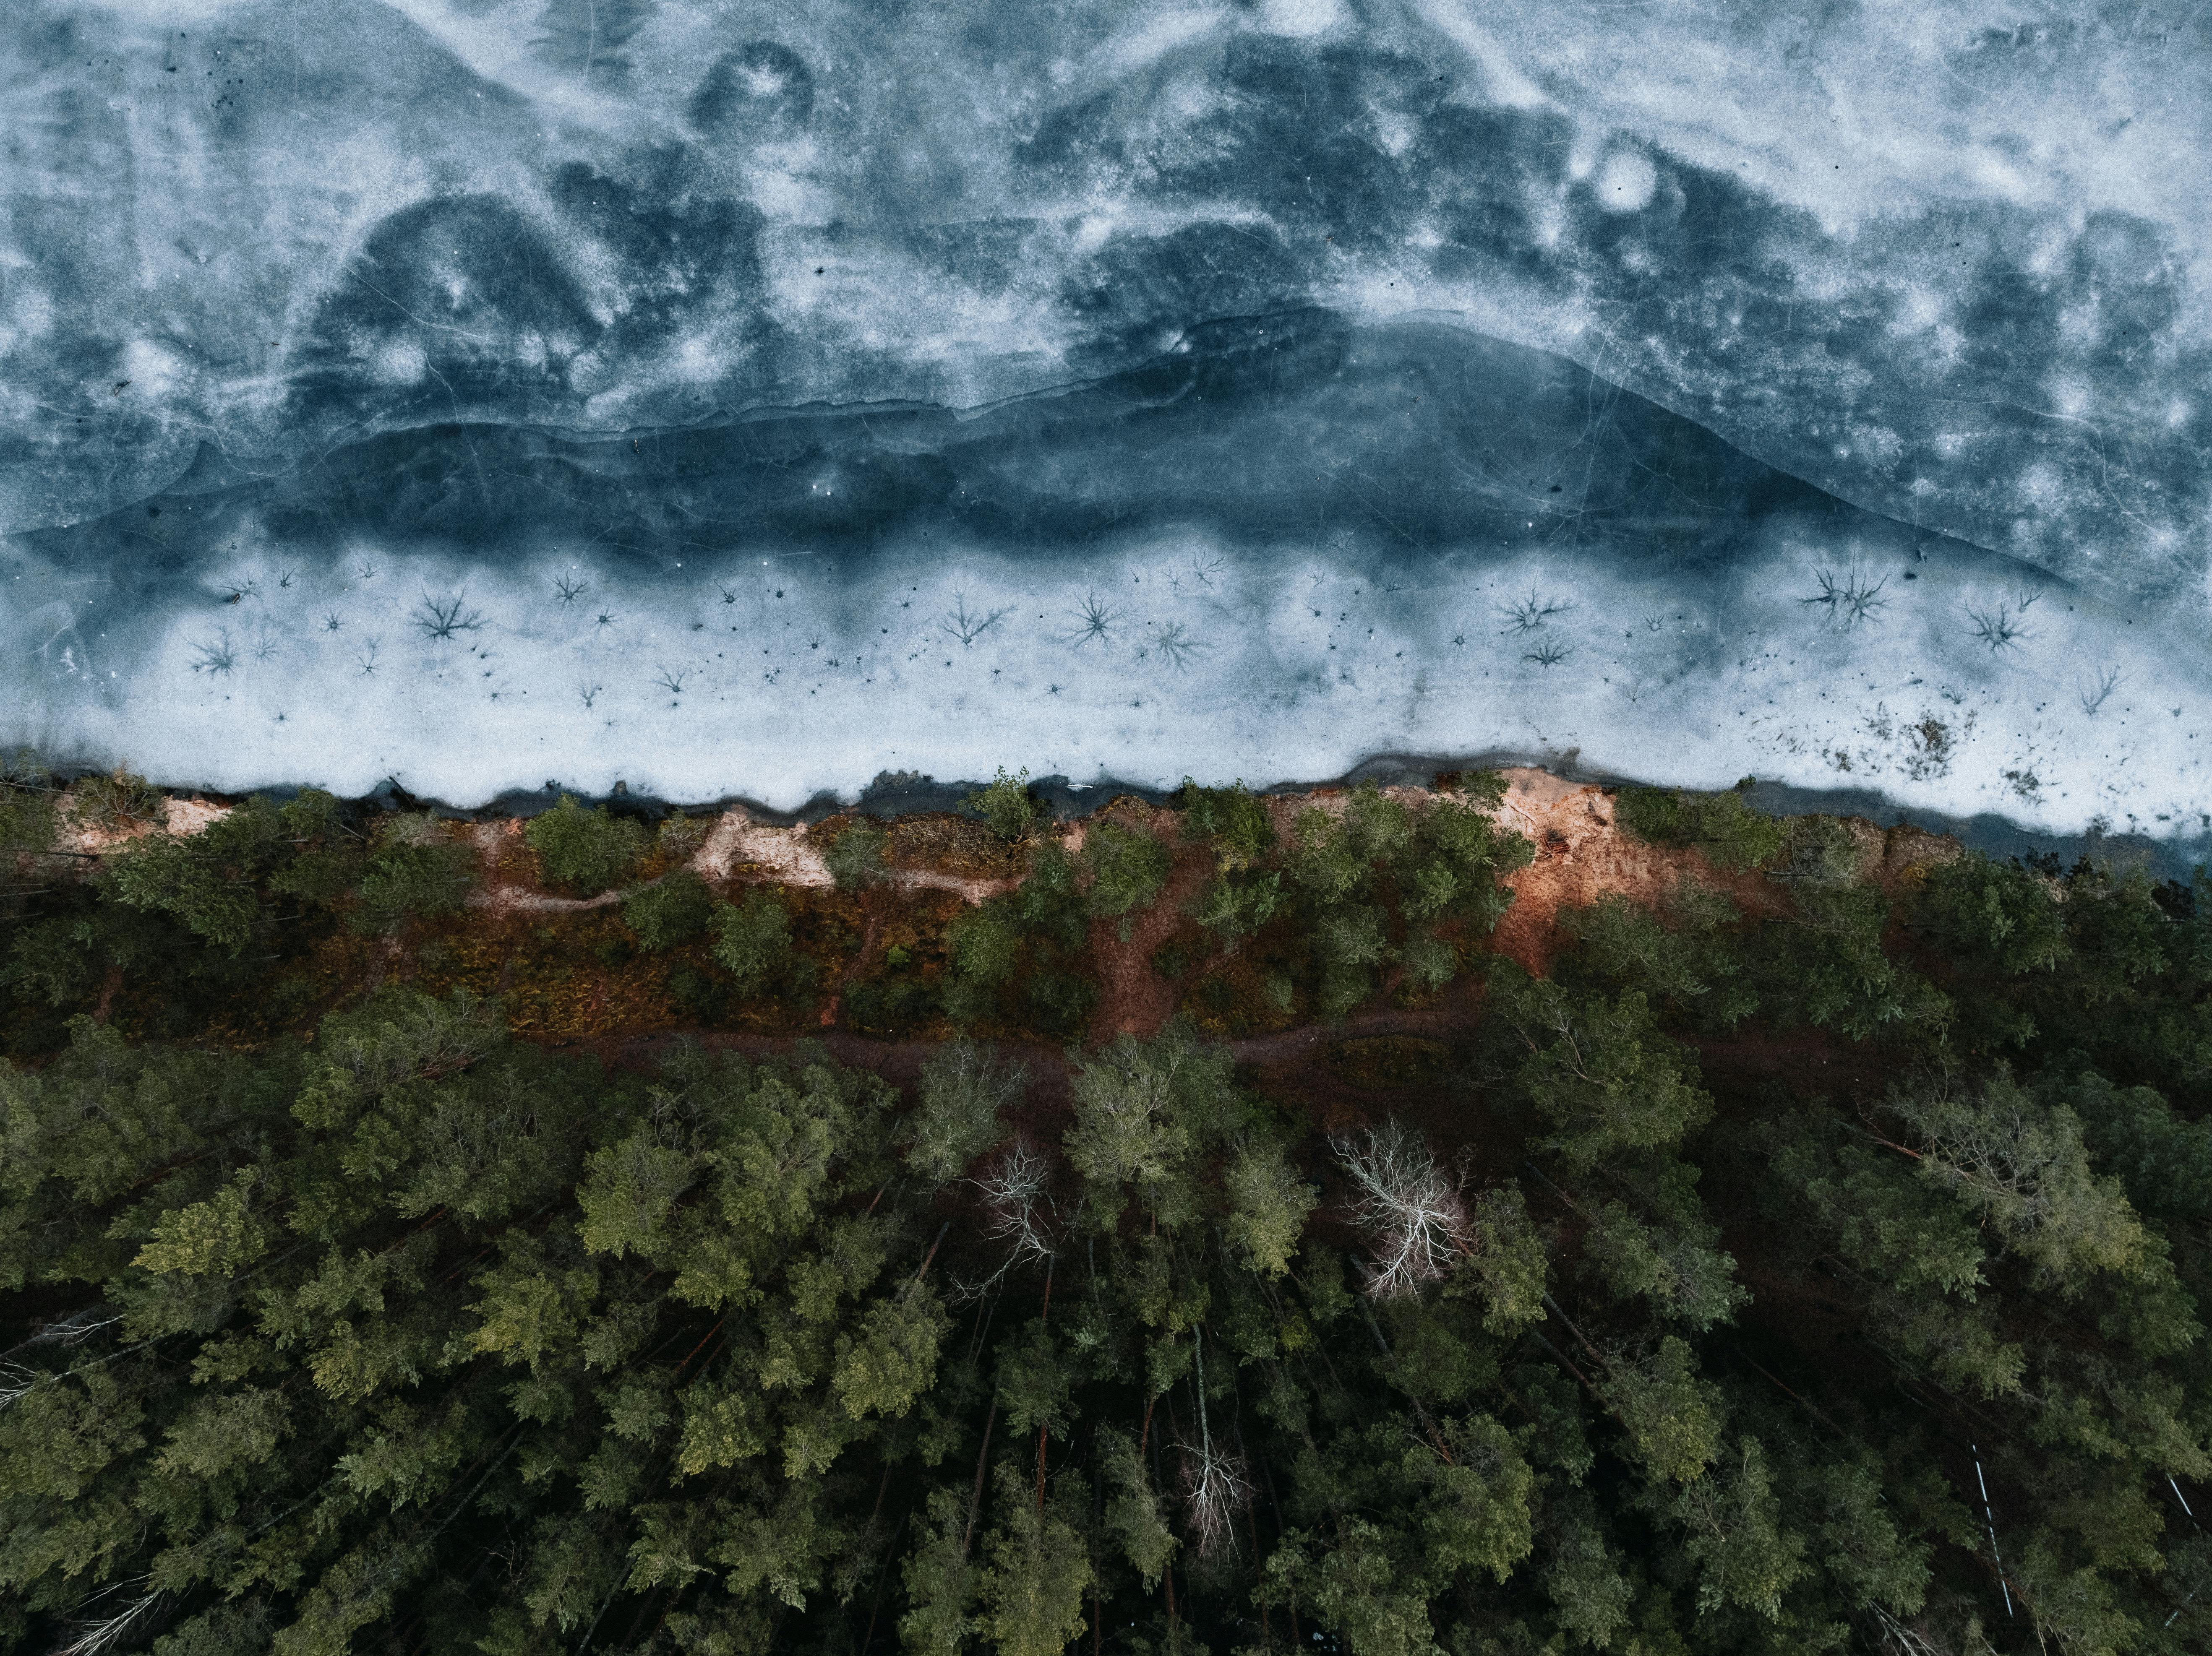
{"x": 759, "y": 91}
{"x": 681, "y": 244}
{"x": 460, "y": 301}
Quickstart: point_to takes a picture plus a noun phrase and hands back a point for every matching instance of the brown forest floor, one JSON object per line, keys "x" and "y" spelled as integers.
{"x": 571, "y": 980}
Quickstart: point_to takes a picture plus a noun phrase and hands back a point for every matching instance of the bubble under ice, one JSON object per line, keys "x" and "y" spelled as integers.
{"x": 398, "y": 291}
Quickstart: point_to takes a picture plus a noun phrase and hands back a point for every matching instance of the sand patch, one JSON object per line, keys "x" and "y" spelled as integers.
{"x": 181, "y": 817}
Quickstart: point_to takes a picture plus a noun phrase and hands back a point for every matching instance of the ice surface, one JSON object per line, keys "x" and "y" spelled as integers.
{"x": 343, "y": 284}
{"x": 1284, "y": 545}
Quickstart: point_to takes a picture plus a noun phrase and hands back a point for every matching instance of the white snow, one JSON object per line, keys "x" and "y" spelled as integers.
{"x": 1961, "y": 686}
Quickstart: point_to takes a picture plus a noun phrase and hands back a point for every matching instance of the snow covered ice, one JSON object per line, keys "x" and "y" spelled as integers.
{"x": 739, "y": 399}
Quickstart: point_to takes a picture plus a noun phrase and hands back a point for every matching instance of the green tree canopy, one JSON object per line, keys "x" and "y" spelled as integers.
{"x": 587, "y": 851}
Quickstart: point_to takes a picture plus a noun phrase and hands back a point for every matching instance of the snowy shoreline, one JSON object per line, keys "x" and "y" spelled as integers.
{"x": 2083, "y": 718}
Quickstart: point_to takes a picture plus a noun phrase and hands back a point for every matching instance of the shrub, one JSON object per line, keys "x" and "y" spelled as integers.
{"x": 1004, "y": 805}
{"x": 1323, "y": 860}
{"x": 1234, "y": 820}
{"x": 1127, "y": 868}
{"x": 1051, "y": 904}
{"x": 1024, "y": 933}
{"x": 679, "y": 836}
{"x": 697, "y": 993}
{"x": 752, "y": 940}
{"x": 1730, "y": 834}
{"x": 1239, "y": 907}
{"x": 855, "y": 855}
{"x": 206, "y": 882}
{"x": 673, "y": 909}
{"x": 894, "y": 1005}
{"x": 413, "y": 870}
{"x": 1380, "y": 829}
{"x": 1818, "y": 851}
{"x": 118, "y": 800}
{"x": 1652, "y": 814}
{"x": 1351, "y": 945}
{"x": 27, "y": 810}
{"x": 983, "y": 942}
{"x": 1480, "y": 787}
{"x": 586, "y": 849}
{"x": 1060, "y": 1001}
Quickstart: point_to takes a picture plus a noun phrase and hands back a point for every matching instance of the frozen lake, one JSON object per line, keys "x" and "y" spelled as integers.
{"x": 739, "y": 401}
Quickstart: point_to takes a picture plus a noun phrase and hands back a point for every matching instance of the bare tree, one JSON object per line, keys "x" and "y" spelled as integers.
{"x": 16, "y": 1383}
{"x": 74, "y": 1329}
{"x": 1412, "y": 1210}
{"x": 1215, "y": 1487}
{"x": 2096, "y": 692}
{"x": 1900, "y": 1638}
{"x": 96, "y": 1636}
{"x": 1018, "y": 1211}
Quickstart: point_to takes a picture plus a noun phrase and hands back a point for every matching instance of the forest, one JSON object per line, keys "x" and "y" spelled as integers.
{"x": 1809, "y": 1259}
